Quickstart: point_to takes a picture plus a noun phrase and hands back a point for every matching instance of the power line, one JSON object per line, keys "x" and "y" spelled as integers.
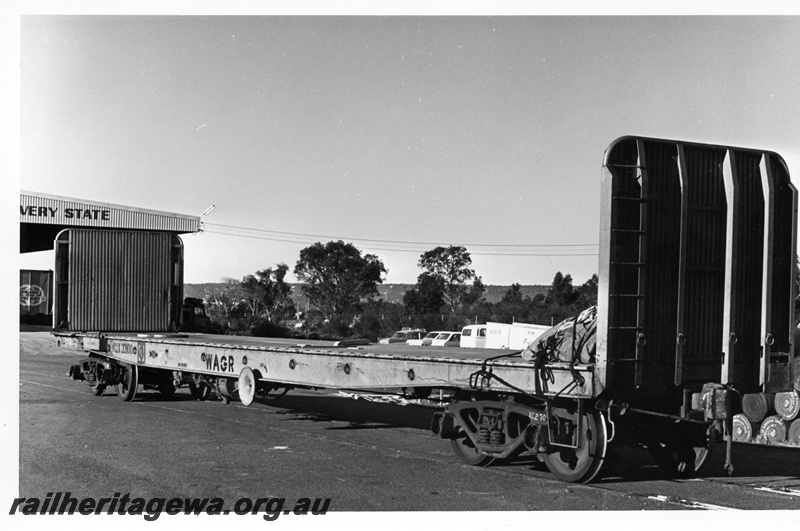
{"x": 541, "y": 250}
{"x": 404, "y": 242}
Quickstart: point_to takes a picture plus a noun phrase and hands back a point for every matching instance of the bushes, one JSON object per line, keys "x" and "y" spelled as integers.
{"x": 265, "y": 328}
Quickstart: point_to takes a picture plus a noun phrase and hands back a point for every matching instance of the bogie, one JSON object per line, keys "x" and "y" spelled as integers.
{"x": 571, "y": 442}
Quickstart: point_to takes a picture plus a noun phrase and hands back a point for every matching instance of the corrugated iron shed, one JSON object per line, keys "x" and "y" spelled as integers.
{"x": 43, "y": 216}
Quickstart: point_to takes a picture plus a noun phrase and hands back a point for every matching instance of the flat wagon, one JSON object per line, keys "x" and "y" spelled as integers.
{"x": 693, "y": 331}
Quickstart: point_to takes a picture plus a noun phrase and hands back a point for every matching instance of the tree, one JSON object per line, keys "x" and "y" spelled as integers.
{"x": 380, "y": 319}
{"x": 427, "y": 297}
{"x": 337, "y": 277}
{"x": 564, "y": 300}
{"x": 223, "y": 300}
{"x": 561, "y": 291}
{"x": 267, "y": 294}
{"x": 474, "y": 294}
{"x": 514, "y": 306}
{"x": 513, "y": 296}
{"x": 451, "y": 266}
{"x": 587, "y": 294}
{"x": 424, "y": 303}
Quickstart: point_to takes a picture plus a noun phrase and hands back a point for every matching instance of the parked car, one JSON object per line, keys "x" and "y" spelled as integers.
{"x": 447, "y": 339}
{"x": 473, "y": 336}
{"x": 425, "y": 341}
{"x": 401, "y": 336}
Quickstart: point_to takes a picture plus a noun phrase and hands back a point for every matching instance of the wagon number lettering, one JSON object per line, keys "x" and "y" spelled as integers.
{"x": 538, "y": 417}
{"x": 219, "y": 363}
{"x": 128, "y": 349}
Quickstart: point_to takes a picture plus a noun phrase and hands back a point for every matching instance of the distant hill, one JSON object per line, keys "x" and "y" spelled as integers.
{"x": 395, "y": 292}
{"x": 388, "y": 292}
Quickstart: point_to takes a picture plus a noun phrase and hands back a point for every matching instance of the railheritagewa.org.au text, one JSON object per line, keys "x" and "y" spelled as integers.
{"x": 64, "y": 503}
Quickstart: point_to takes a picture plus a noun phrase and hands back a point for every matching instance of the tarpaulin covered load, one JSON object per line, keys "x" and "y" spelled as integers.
{"x": 571, "y": 340}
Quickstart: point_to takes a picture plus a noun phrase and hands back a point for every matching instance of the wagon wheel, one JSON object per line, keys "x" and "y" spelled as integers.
{"x": 247, "y": 386}
{"x": 581, "y": 464}
{"x": 97, "y": 388}
{"x": 466, "y": 451}
{"x": 199, "y": 391}
{"x": 679, "y": 458}
{"x": 126, "y": 389}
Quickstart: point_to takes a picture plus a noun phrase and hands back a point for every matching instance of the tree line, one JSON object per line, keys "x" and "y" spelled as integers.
{"x": 341, "y": 286}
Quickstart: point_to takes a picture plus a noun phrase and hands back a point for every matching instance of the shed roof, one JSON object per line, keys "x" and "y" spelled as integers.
{"x": 43, "y": 216}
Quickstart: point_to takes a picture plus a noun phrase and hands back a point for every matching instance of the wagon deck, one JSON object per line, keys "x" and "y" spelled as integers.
{"x": 340, "y": 365}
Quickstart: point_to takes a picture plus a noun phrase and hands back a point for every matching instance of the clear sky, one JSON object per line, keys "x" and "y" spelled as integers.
{"x": 395, "y": 133}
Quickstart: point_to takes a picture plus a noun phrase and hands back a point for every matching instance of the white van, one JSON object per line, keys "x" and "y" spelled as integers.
{"x": 473, "y": 336}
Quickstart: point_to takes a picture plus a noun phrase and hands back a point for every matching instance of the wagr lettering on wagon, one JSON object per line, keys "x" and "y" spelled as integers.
{"x": 219, "y": 363}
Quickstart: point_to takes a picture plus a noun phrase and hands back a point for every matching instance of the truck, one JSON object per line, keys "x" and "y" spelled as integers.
{"x": 693, "y": 328}
{"x": 514, "y": 336}
{"x": 194, "y": 318}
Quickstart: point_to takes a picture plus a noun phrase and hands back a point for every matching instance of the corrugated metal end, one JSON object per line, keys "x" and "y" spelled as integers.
{"x": 696, "y": 267}
{"x": 117, "y": 281}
